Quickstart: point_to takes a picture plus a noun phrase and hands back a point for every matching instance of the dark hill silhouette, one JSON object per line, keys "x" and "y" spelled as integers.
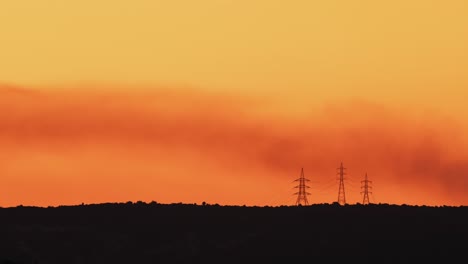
{"x": 186, "y": 233}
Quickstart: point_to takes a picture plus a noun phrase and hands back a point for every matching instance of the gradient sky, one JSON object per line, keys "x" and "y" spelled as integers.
{"x": 224, "y": 101}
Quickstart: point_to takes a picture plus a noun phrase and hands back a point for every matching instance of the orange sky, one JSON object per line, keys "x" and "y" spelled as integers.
{"x": 224, "y": 101}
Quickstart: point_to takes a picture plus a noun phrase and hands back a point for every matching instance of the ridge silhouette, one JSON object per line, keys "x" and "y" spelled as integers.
{"x": 187, "y": 233}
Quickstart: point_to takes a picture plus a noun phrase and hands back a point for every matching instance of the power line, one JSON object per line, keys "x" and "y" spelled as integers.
{"x": 366, "y": 185}
{"x": 341, "y": 188}
{"x": 302, "y": 194}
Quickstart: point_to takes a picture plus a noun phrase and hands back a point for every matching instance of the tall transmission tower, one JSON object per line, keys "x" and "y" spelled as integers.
{"x": 341, "y": 189}
{"x": 302, "y": 193}
{"x": 366, "y": 186}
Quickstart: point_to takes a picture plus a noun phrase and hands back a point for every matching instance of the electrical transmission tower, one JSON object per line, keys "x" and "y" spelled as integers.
{"x": 341, "y": 190}
{"x": 302, "y": 194}
{"x": 366, "y": 186}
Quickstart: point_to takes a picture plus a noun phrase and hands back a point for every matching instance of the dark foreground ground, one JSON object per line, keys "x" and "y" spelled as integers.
{"x": 156, "y": 233}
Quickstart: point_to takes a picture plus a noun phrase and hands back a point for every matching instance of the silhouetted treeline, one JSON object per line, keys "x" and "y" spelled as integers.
{"x": 189, "y": 233}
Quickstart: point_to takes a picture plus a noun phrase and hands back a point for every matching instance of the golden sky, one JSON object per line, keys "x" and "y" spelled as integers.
{"x": 225, "y": 101}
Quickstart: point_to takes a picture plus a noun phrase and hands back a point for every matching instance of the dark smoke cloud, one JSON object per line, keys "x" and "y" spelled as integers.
{"x": 394, "y": 146}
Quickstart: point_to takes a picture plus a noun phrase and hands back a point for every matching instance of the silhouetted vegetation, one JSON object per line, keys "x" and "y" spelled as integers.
{"x": 185, "y": 233}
